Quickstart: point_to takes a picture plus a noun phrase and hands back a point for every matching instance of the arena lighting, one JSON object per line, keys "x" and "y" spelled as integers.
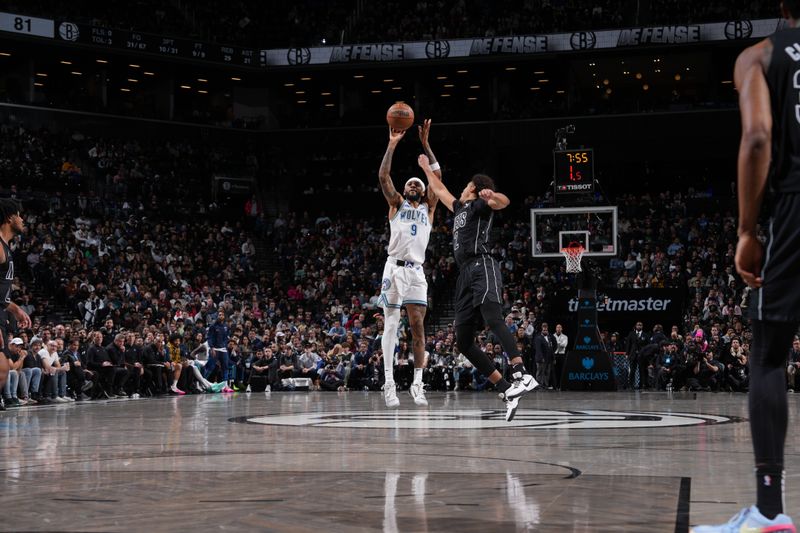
{"x": 186, "y": 87}
{"x": 645, "y": 87}
{"x": 299, "y": 92}
{"x": 234, "y": 78}
{"x": 202, "y": 80}
{"x": 133, "y": 80}
{"x": 288, "y": 84}
{"x": 638, "y": 75}
{"x": 329, "y": 105}
{"x": 441, "y": 77}
{"x": 5, "y": 54}
{"x": 449, "y": 85}
{"x": 677, "y": 77}
{"x": 462, "y": 71}
{"x": 133, "y": 65}
{"x": 606, "y": 82}
{"x": 375, "y": 91}
{"x": 302, "y": 101}
{"x": 474, "y": 86}
{"x": 726, "y": 82}
{"x": 63, "y": 62}
{"x": 536, "y": 88}
{"x": 398, "y": 88}
{"x": 146, "y": 73}
{"x": 560, "y": 91}
{"x": 358, "y": 76}
{"x": 540, "y": 72}
{"x": 76, "y": 73}
{"x": 445, "y": 95}
{"x": 41, "y": 74}
{"x": 307, "y": 78}
{"x": 544, "y": 81}
{"x": 125, "y": 90}
{"x": 202, "y": 91}
{"x": 389, "y": 80}
{"x": 472, "y": 98}
{"x": 325, "y": 94}
{"x": 511, "y": 68}
{"x": 101, "y": 61}
{"x": 37, "y": 84}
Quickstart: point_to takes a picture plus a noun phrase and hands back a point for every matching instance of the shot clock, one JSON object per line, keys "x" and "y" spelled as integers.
{"x": 574, "y": 171}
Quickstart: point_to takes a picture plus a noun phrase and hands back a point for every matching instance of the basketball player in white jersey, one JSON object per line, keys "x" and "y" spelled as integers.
{"x": 410, "y": 219}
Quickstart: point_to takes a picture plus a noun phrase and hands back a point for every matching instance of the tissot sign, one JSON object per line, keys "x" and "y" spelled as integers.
{"x": 622, "y": 308}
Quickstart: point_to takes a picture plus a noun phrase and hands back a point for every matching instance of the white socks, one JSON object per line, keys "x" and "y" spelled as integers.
{"x": 417, "y": 376}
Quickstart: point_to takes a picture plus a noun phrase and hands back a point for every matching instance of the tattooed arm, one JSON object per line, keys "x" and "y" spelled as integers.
{"x": 392, "y": 196}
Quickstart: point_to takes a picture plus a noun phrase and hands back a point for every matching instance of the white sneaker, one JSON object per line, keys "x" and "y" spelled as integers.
{"x": 417, "y": 392}
{"x": 60, "y": 399}
{"x": 750, "y": 520}
{"x": 135, "y": 396}
{"x": 529, "y": 382}
{"x": 512, "y": 395}
{"x": 390, "y": 395}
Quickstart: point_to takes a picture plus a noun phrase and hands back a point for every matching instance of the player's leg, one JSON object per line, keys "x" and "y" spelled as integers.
{"x": 3, "y": 376}
{"x": 415, "y": 298}
{"x": 487, "y": 283}
{"x": 390, "y": 300}
{"x": 416, "y": 319}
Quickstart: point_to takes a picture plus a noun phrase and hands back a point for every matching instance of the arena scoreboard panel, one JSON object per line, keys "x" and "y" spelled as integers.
{"x": 574, "y": 171}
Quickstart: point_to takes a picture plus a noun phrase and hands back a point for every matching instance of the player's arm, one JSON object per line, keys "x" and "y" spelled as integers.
{"x": 384, "y": 174}
{"x": 754, "y": 155}
{"x": 424, "y": 132}
{"x": 495, "y": 200}
{"x": 435, "y": 184}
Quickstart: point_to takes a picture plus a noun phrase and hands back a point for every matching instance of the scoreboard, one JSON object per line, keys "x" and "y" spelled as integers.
{"x": 574, "y": 171}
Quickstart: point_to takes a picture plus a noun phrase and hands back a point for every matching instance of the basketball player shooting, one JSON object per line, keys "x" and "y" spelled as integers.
{"x": 766, "y": 76}
{"x": 478, "y": 291}
{"x": 404, "y": 284}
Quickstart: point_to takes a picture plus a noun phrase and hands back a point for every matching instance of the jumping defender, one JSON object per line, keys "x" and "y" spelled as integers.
{"x": 11, "y": 225}
{"x": 767, "y": 76}
{"x": 410, "y": 219}
{"x": 479, "y": 291}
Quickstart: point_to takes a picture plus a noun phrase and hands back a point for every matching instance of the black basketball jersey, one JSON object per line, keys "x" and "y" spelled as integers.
{"x": 783, "y": 79}
{"x": 471, "y": 229}
{"x": 6, "y": 276}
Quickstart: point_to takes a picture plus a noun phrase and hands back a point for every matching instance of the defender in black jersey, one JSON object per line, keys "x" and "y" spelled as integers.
{"x": 478, "y": 292}
{"x": 767, "y": 76}
{"x": 11, "y": 225}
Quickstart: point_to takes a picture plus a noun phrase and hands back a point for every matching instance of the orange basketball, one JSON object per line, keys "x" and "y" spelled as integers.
{"x": 400, "y": 116}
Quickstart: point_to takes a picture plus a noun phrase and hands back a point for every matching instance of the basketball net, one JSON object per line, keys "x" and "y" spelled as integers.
{"x": 573, "y": 254}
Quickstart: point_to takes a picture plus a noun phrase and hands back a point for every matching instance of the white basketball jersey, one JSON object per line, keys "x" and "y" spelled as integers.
{"x": 410, "y": 231}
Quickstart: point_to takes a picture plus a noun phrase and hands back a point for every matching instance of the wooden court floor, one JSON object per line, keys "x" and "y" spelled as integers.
{"x": 585, "y": 462}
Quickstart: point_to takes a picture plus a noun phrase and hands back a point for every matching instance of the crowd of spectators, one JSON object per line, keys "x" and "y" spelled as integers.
{"x": 254, "y": 24}
{"x": 176, "y": 283}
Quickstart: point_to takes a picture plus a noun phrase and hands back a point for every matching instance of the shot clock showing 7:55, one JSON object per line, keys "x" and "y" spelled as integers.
{"x": 574, "y": 171}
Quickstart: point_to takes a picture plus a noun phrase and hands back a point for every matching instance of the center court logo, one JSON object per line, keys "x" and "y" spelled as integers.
{"x": 488, "y": 419}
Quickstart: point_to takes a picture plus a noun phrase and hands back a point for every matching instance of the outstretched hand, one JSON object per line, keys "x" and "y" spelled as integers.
{"x": 424, "y": 130}
{"x": 423, "y": 162}
{"x": 395, "y": 135}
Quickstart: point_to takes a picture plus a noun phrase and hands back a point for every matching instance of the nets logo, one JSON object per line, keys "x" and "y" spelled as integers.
{"x": 68, "y": 31}
{"x": 441, "y": 420}
{"x": 387, "y": 284}
{"x": 583, "y": 40}
{"x": 738, "y": 29}
{"x": 437, "y": 49}
{"x": 298, "y": 56}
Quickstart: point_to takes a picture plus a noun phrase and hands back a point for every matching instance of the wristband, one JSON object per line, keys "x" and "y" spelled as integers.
{"x": 435, "y": 166}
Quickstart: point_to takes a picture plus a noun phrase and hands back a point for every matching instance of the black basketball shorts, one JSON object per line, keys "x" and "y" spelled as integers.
{"x": 479, "y": 281}
{"x": 778, "y": 299}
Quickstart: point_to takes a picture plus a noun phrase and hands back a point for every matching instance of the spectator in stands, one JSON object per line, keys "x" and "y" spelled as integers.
{"x": 545, "y": 345}
{"x": 56, "y": 374}
{"x": 560, "y": 354}
{"x": 794, "y": 364}
{"x": 635, "y": 341}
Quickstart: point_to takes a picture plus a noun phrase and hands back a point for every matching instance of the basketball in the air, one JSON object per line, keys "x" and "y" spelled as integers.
{"x": 400, "y": 116}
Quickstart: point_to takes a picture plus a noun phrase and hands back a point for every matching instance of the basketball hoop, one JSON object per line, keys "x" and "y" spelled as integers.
{"x": 573, "y": 254}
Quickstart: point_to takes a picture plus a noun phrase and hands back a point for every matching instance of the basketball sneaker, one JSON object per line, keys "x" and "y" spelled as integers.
{"x": 750, "y": 520}
{"x": 390, "y": 395}
{"x": 512, "y": 395}
{"x": 527, "y": 380}
{"x": 417, "y": 392}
